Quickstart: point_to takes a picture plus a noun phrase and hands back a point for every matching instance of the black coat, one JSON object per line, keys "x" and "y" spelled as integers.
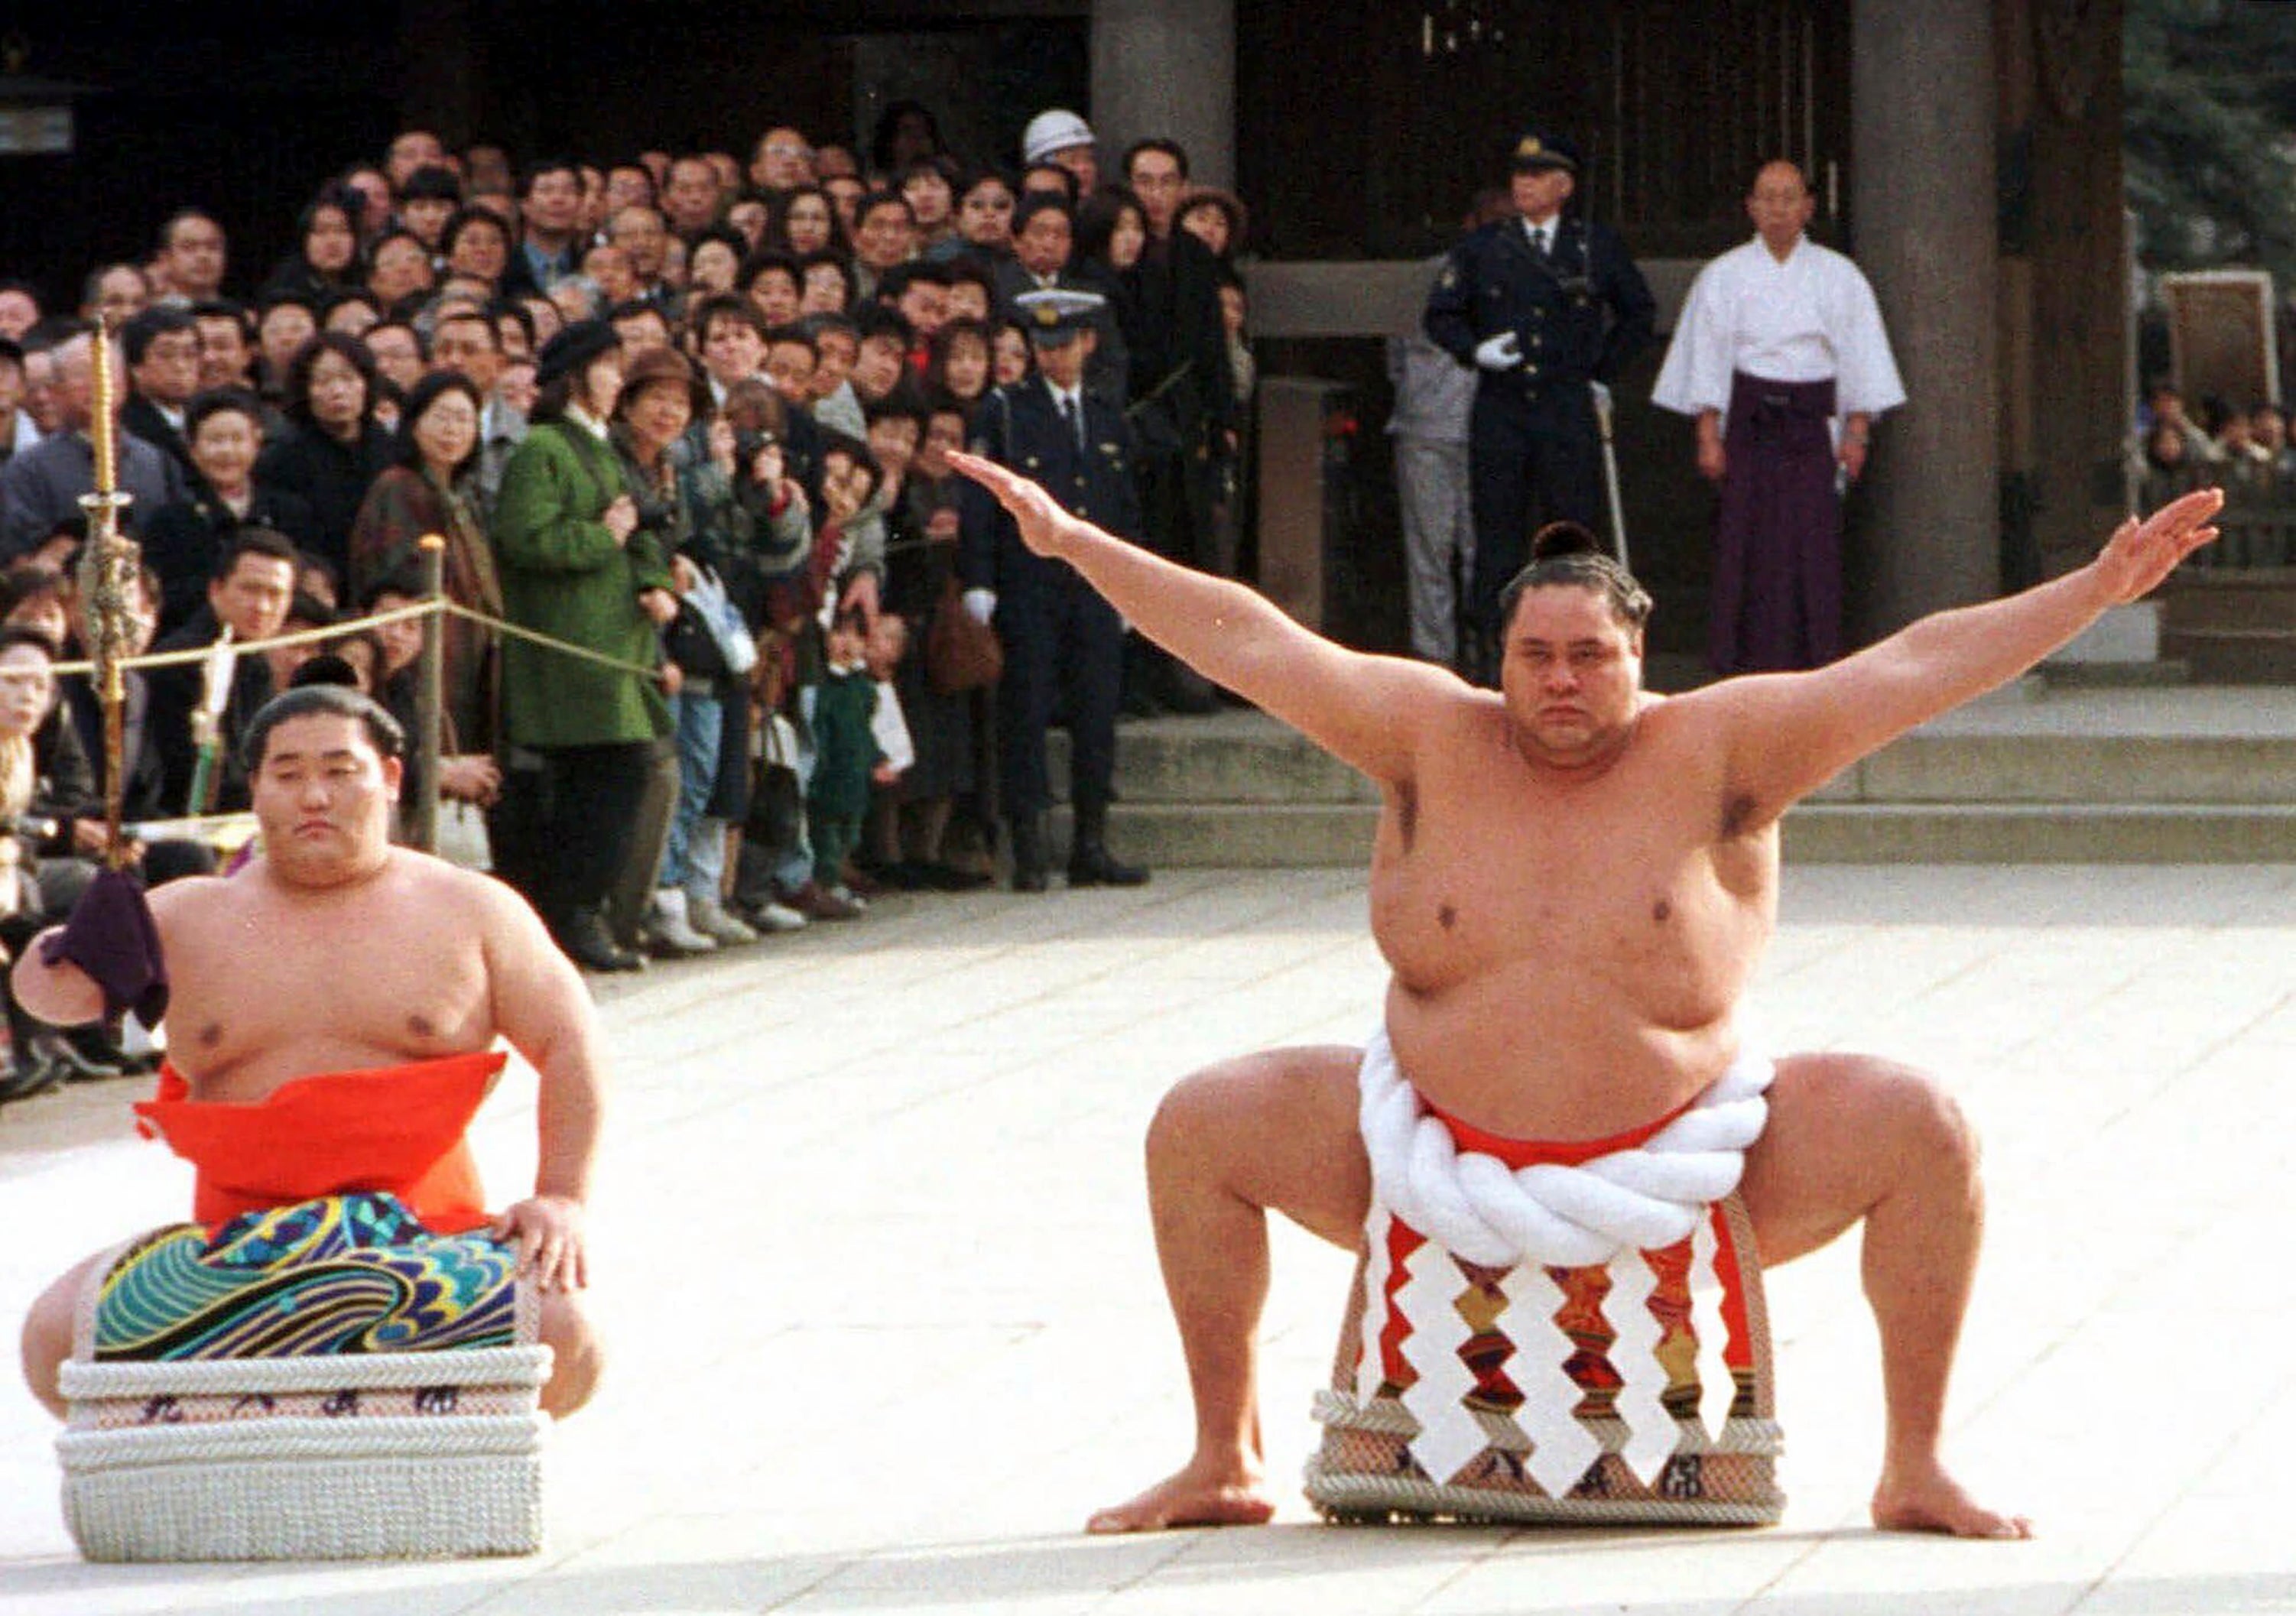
{"x": 142, "y": 417}
{"x": 183, "y": 541}
{"x": 330, "y": 477}
{"x": 1179, "y": 357}
{"x": 145, "y": 796}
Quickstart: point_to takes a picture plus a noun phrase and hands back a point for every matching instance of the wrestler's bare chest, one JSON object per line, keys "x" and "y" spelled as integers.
{"x": 1589, "y": 937}
{"x": 267, "y": 988}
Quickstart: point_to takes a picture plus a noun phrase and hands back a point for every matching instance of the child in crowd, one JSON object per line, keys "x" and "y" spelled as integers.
{"x": 886, "y": 642}
{"x": 800, "y": 610}
{"x": 845, "y": 758}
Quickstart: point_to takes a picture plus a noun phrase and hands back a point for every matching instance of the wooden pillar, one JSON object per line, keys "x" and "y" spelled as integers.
{"x": 1921, "y": 143}
{"x": 1167, "y": 68}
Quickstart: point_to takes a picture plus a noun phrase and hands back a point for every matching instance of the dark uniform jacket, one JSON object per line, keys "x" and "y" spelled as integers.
{"x": 1020, "y": 426}
{"x": 1581, "y": 312}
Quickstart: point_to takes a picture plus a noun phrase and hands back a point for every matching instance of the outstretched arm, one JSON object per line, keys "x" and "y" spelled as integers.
{"x": 1788, "y": 733}
{"x": 1363, "y": 710}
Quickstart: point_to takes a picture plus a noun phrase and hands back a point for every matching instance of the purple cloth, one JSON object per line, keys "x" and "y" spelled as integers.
{"x": 111, "y": 936}
{"x": 1777, "y": 549}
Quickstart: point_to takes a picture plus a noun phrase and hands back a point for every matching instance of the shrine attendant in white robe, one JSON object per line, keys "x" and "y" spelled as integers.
{"x": 1781, "y": 358}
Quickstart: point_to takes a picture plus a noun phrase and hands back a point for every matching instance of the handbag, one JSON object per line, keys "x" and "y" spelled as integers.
{"x": 960, "y": 653}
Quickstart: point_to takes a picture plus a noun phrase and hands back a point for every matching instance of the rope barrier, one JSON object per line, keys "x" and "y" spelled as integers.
{"x": 303, "y": 636}
{"x": 396, "y": 614}
{"x": 565, "y": 648}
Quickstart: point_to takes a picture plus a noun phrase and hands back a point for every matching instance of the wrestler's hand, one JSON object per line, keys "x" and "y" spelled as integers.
{"x": 2139, "y": 555}
{"x": 1035, "y": 513}
{"x": 547, "y": 1230}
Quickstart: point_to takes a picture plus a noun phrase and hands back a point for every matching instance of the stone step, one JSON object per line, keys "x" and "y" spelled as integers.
{"x": 1325, "y": 835}
{"x": 2188, "y": 777}
{"x": 2235, "y": 626}
{"x": 2161, "y": 674}
{"x": 1236, "y": 835}
{"x": 2085, "y": 770}
{"x": 2235, "y": 656}
{"x": 1247, "y": 758}
{"x": 2263, "y": 598}
{"x": 2185, "y": 832}
{"x": 1233, "y": 757}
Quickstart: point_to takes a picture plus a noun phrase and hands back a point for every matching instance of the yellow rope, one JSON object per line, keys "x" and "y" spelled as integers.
{"x": 398, "y": 614}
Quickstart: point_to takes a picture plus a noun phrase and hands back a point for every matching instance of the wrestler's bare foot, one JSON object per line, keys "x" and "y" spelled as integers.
{"x": 1926, "y": 1499}
{"x": 1200, "y": 1493}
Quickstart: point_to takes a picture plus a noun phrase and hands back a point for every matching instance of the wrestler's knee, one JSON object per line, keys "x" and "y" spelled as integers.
{"x": 1196, "y": 1115}
{"x": 1246, "y": 1107}
{"x": 1937, "y": 1128}
{"x": 577, "y": 1356}
{"x": 1907, "y": 1114}
{"x": 1274, "y": 1130}
{"x": 47, "y": 1338}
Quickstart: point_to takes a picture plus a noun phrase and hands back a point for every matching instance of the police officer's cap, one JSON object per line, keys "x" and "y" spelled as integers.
{"x": 1056, "y": 314}
{"x": 1543, "y": 148}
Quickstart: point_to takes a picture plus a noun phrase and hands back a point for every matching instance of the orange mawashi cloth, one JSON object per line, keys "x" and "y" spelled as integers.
{"x": 389, "y": 1128}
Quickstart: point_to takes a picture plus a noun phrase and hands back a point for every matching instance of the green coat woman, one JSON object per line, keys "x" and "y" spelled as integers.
{"x": 564, "y": 575}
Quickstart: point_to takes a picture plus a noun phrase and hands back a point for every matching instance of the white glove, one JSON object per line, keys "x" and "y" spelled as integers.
{"x": 980, "y": 604}
{"x": 1602, "y": 397}
{"x": 1502, "y": 352}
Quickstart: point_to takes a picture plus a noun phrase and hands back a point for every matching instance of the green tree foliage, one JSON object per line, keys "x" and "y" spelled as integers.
{"x": 2209, "y": 129}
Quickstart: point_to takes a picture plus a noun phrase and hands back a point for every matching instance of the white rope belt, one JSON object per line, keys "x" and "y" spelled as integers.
{"x": 1642, "y": 1198}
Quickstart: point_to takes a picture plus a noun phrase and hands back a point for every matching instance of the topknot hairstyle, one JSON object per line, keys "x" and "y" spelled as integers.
{"x": 1566, "y": 553}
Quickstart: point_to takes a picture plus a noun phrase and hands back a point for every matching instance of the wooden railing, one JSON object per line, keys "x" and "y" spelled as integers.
{"x": 2258, "y": 530}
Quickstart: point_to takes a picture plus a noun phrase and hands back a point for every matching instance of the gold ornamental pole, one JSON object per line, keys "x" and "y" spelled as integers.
{"x": 107, "y": 581}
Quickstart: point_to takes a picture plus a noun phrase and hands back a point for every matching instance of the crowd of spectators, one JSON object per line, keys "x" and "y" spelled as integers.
{"x": 689, "y": 412}
{"x": 2246, "y": 451}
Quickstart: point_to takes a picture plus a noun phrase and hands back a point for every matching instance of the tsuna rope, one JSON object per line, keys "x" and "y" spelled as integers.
{"x": 1643, "y": 1198}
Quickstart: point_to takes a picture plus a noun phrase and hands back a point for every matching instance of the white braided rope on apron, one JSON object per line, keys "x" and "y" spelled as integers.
{"x": 1642, "y": 1198}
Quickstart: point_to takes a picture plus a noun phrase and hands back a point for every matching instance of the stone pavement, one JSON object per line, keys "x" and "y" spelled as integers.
{"x": 875, "y": 1268}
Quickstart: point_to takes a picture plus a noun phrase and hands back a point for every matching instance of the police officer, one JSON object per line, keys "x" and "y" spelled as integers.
{"x": 1063, "y": 644}
{"x": 1542, "y": 304}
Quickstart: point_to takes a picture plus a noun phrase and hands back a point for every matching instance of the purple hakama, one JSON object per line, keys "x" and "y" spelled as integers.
{"x": 1777, "y": 549}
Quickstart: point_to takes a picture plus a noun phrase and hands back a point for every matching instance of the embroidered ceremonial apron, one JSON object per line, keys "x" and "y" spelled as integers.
{"x": 1554, "y": 1332}
{"x": 340, "y": 1214}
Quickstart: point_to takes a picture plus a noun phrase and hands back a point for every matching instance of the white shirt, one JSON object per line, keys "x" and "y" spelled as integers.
{"x": 1808, "y": 317}
{"x": 1541, "y": 235}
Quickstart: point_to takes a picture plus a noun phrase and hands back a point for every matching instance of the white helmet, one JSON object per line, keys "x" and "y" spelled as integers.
{"x": 1053, "y": 131}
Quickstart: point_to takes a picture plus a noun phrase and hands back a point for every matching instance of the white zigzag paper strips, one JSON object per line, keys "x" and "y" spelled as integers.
{"x": 1449, "y": 1436}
